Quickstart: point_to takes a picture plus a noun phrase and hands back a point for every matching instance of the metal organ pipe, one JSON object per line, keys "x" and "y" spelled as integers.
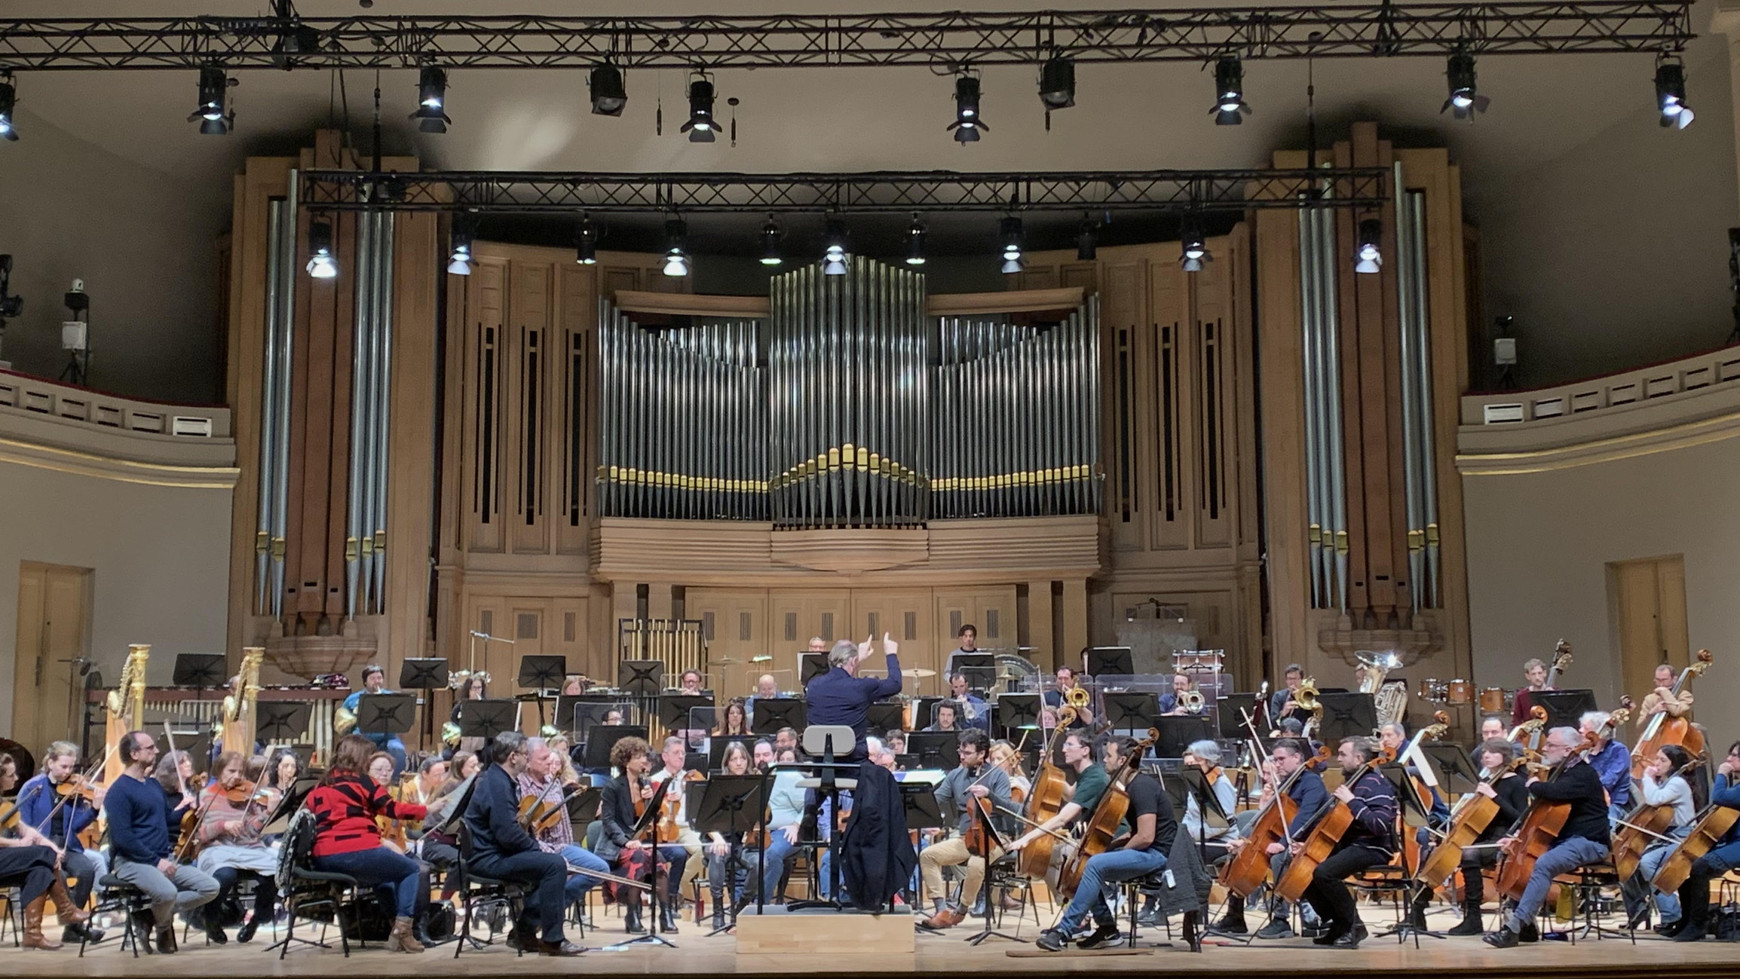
{"x": 277, "y": 281}
{"x": 1413, "y": 279}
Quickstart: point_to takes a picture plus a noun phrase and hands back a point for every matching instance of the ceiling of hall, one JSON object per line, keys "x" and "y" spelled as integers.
{"x": 1127, "y": 116}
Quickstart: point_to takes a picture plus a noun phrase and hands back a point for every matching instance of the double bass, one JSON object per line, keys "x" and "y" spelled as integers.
{"x": 1664, "y": 729}
{"x": 1102, "y": 828}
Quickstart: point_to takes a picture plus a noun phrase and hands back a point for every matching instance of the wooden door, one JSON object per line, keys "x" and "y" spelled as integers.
{"x": 735, "y": 624}
{"x": 54, "y": 615}
{"x": 1649, "y": 601}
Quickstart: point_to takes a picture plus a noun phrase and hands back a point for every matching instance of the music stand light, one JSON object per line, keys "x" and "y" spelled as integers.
{"x": 602, "y": 738}
{"x": 810, "y": 666}
{"x": 641, "y": 677}
{"x": 774, "y": 713}
{"x": 886, "y": 716}
{"x": 1346, "y": 715}
{"x": 1177, "y": 732}
{"x": 484, "y": 718}
{"x": 281, "y": 722}
{"x": 1110, "y": 661}
{"x": 1131, "y": 710}
{"x": 199, "y": 670}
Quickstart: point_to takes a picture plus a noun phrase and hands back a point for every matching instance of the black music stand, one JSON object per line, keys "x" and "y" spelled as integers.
{"x": 646, "y": 830}
{"x": 675, "y": 710}
{"x": 484, "y": 718}
{"x": 281, "y": 722}
{"x": 603, "y": 737}
{"x": 1017, "y": 711}
{"x": 727, "y": 807}
{"x": 201, "y": 671}
{"x": 830, "y": 770}
{"x": 1178, "y": 731}
{"x": 1110, "y": 661}
{"x": 810, "y": 666}
{"x": 1132, "y": 711}
{"x": 540, "y": 673}
{"x": 993, "y": 841}
{"x": 385, "y": 713}
{"x": 1346, "y": 715}
{"x": 1230, "y": 724}
{"x": 935, "y": 749}
{"x": 1456, "y": 771}
{"x": 773, "y": 713}
{"x": 278, "y": 820}
{"x": 716, "y": 749}
{"x": 980, "y": 669}
{"x": 1192, "y": 783}
{"x": 428, "y": 675}
{"x": 1402, "y": 784}
{"x": 886, "y": 716}
{"x": 641, "y": 677}
{"x": 1565, "y": 708}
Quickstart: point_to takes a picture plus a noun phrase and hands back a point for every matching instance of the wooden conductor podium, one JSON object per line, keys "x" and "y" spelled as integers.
{"x": 822, "y": 932}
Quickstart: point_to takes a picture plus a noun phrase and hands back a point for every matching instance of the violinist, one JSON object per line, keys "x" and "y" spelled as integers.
{"x": 1535, "y": 672}
{"x": 618, "y": 812}
{"x": 8, "y": 775}
{"x": 1663, "y": 784}
{"x": 347, "y": 839}
{"x": 1081, "y": 797}
{"x": 29, "y": 862}
{"x": 882, "y": 756}
{"x": 282, "y": 770}
{"x": 1369, "y": 842}
{"x": 1694, "y": 894}
{"x": 1289, "y": 755}
{"x": 502, "y": 849}
{"x": 726, "y": 871}
{"x": 1153, "y": 827}
{"x": 676, "y": 805}
{"x": 72, "y": 813}
{"x": 235, "y": 812}
{"x": 1586, "y": 838}
{"x": 1508, "y": 790}
{"x": 143, "y": 820}
{"x": 974, "y": 779}
{"x": 1611, "y": 761}
{"x": 1663, "y": 699}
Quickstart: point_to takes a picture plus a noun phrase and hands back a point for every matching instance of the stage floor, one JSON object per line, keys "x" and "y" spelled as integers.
{"x": 944, "y": 953}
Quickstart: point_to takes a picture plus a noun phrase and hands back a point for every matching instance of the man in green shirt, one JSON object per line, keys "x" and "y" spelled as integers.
{"x": 1082, "y": 797}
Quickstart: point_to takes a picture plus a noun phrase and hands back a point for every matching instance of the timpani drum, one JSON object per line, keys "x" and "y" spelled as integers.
{"x": 1492, "y": 700}
{"x": 1460, "y": 692}
{"x": 1427, "y": 689}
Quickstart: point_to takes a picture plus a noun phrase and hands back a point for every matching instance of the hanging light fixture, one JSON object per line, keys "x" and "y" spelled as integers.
{"x": 701, "y": 125}
{"x": 1087, "y": 243}
{"x": 1229, "y": 92}
{"x": 1192, "y": 246}
{"x": 967, "y": 124}
{"x": 1010, "y": 231}
{"x": 585, "y": 242}
{"x": 676, "y": 254}
{"x": 1057, "y": 82}
{"x": 8, "y": 107}
{"x": 459, "y": 254}
{"x": 1464, "y": 100}
{"x": 834, "y": 257}
{"x": 770, "y": 235}
{"x": 1670, "y": 92}
{"x": 1368, "y": 257}
{"x": 915, "y": 235}
{"x": 212, "y": 113}
{"x": 431, "y": 114}
{"x": 609, "y": 95}
{"x": 322, "y": 263}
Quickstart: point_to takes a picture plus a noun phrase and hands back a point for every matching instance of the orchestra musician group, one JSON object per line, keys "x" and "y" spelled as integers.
{"x": 1095, "y": 811}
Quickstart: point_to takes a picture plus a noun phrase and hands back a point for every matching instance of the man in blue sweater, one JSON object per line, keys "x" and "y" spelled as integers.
{"x": 139, "y": 843}
{"x": 1289, "y": 755}
{"x": 1694, "y": 921}
{"x": 501, "y": 848}
{"x": 841, "y": 696}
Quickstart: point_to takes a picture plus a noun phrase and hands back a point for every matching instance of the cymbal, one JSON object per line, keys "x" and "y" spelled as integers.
{"x": 763, "y": 658}
{"x": 728, "y": 661}
{"x": 918, "y": 673}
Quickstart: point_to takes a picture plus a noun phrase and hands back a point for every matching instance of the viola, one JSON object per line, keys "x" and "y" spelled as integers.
{"x": 1665, "y": 729}
{"x": 1045, "y": 798}
{"x": 1101, "y": 832}
{"x": 75, "y": 787}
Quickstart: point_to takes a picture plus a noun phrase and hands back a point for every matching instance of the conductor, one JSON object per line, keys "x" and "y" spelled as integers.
{"x": 841, "y": 696}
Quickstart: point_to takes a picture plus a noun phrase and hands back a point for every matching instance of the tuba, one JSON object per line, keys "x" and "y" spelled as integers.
{"x": 1391, "y": 699}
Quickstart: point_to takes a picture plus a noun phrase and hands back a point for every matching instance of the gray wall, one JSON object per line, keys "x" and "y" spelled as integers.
{"x": 145, "y": 244}
{"x": 1615, "y": 254}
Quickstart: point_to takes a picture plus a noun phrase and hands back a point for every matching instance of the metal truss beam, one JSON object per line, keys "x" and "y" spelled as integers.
{"x": 852, "y": 193}
{"x": 941, "y": 40}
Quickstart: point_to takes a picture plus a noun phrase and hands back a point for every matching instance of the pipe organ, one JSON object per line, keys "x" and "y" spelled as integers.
{"x": 847, "y": 406}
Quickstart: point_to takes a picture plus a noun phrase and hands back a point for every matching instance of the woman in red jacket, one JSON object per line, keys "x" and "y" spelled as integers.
{"x": 347, "y": 841}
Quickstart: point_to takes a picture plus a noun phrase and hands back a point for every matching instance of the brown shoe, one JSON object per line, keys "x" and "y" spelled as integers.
{"x": 66, "y": 912}
{"x": 166, "y": 940}
{"x": 401, "y": 939}
{"x": 33, "y": 936}
{"x": 946, "y": 918}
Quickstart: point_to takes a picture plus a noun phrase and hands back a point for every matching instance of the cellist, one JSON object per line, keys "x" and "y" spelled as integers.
{"x": 1586, "y": 838}
{"x": 1368, "y": 842}
{"x": 1308, "y": 793}
{"x": 1664, "y": 784}
{"x": 1695, "y": 892}
{"x": 1080, "y": 797}
{"x": 1509, "y": 791}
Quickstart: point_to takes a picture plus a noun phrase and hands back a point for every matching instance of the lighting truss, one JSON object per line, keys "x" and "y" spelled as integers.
{"x": 939, "y": 40}
{"x": 858, "y": 193}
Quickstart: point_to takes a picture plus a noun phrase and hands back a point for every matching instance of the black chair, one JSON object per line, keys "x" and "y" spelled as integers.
{"x": 1004, "y": 875}
{"x": 116, "y": 896}
{"x": 478, "y": 893}
{"x": 14, "y": 918}
{"x": 303, "y": 889}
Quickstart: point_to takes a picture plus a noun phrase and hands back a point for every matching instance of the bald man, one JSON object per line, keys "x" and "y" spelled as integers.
{"x": 765, "y": 689}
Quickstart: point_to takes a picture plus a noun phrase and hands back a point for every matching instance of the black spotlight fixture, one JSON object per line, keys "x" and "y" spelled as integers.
{"x": 608, "y": 94}
{"x": 1670, "y": 92}
{"x": 459, "y": 254}
{"x": 1009, "y": 229}
{"x": 1087, "y": 240}
{"x": 586, "y": 243}
{"x": 834, "y": 255}
{"x": 8, "y": 105}
{"x": 322, "y": 263}
{"x": 1368, "y": 257}
{"x": 967, "y": 124}
{"x": 1057, "y": 82}
{"x": 1465, "y": 100}
{"x": 915, "y": 234}
{"x": 701, "y": 126}
{"x": 1192, "y": 246}
{"x": 1229, "y": 92}
{"x": 431, "y": 114}
{"x": 676, "y": 248}
{"x": 213, "y": 113}
{"x": 770, "y": 236}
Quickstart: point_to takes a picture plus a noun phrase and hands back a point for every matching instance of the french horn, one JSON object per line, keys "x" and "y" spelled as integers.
{"x": 343, "y": 721}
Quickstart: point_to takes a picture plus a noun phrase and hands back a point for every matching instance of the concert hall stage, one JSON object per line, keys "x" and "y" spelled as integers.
{"x": 936, "y": 955}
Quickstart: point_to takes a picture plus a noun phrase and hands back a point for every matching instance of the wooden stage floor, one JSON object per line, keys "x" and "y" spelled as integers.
{"x": 936, "y": 954}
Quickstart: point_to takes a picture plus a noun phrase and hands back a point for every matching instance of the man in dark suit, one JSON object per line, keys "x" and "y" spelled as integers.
{"x": 501, "y": 848}
{"x": 841, "y": 696}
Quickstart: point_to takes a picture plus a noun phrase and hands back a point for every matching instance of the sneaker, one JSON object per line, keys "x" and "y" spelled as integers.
{"x": 1052, "y": 940}
{"x": 1149, "y": 918}
{"x": 1502, "y": 938}
{"x": 1103, "y": 935}
{"x": 1276, "y": 929}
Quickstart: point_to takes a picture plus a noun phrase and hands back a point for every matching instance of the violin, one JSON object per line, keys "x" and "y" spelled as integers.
{"x": 1665, "y": 729}
{"x": 76, "y": 787}
{"x": 670, "y": 827}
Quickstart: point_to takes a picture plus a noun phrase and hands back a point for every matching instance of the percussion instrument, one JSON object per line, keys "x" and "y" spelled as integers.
{"x": 1493, "y": 700}
{"x": 918, "y": 673}
{"x": 1460, "y": 692}
{"x": 1428, "y": 689}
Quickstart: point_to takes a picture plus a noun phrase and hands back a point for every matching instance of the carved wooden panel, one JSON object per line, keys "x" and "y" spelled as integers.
{"x": 483, "y": 456}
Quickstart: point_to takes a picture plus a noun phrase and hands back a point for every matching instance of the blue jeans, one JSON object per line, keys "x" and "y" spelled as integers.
{"x": 778, "y": 852}
{"x": 398, "y": 878}
{"x": 1563, "y": 858}
{"x": 578, "y": 884}
{"x": 1102, "y": 869}
{"x": 547, "y": 876}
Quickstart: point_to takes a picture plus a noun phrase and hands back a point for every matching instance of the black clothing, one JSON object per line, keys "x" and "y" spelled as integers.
{"x": 1148, "y": 798}
{"x": 876, "y": 856}
{"x": 1580, "y": 785}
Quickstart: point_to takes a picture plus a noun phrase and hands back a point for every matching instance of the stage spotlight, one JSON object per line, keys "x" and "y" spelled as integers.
{"x": 322, "y": 264}
{"x": 609, "y": 96}
{"x": 8, "y": 104}
{"x": 1057, "y": 83}
{"x": 770, "y": 236}
{"x": 1229, "y": 92}
{"x": 967, "y": 124}
{"x": 586, "y": 243}
{"x": 1087, "y": 244}
{"x": 834, "y": 258}
{"x": 1369, "y": 258}
{"x": 214, "y": 94}
{"x": 676, "y": 255}
{"x": 431, "y": 114}
{"x": 700, "y": 126}
{"x": 1193, "y": 248}
{"x": 1464, "y": 100}
{"x": 459, "y": 256}
{"x": 1010, "y": 231}
{"x": 1670, "y": 92}
{"x": 915, "y": 233}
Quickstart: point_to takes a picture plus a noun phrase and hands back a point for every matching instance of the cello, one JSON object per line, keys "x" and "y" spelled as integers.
{"x": 1249, "y": 867}
{"x": 1325, "y": 831}
{"x": 1468, "y": 821}
{"x": 1102, "y": 828}
{"x": 1707, "y": 832}
{"x": 1664, "y": 729}
{"x": 1643, "y": 825}
{"x": 1046, "y": 796}
{"x": 1540, "y": 827}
